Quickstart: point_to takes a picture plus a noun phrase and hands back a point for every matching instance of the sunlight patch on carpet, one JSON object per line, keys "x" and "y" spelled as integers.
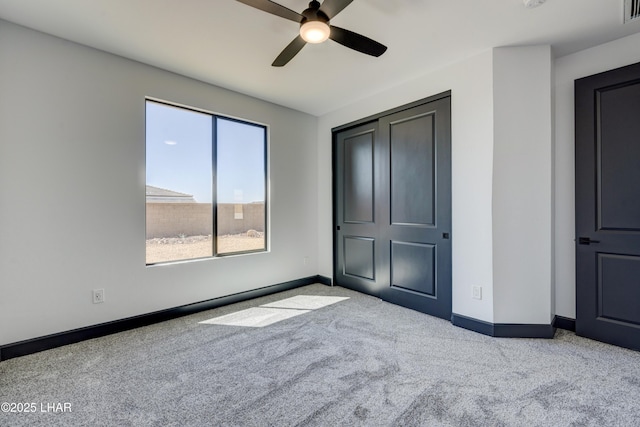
{"x": 256, "y": 317}
{"x": 305, "y": 302}
{"x": 268, "y": 314}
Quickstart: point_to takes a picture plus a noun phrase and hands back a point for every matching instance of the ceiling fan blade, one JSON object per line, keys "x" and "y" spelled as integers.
{"x": 332, "y": 7}
{"x": 356, "y": 41}
{"x": 289, "y": 52}
{"x": 274, "y": 9}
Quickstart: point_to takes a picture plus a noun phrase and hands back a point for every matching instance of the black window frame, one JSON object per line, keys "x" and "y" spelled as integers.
{"x": 214, "y": 184}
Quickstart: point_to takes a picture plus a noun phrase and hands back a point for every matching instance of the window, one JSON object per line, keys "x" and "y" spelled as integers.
{"x": 206, "y": 184}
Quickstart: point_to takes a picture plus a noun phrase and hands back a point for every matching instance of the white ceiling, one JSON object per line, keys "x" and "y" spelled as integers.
{"x": 232, "y": 45}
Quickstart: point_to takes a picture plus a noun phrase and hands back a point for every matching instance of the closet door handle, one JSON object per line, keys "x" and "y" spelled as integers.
{"x": 586, "y": 241}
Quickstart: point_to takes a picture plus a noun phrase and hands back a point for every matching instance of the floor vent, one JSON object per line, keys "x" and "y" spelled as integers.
{"x": 631, "y": 10}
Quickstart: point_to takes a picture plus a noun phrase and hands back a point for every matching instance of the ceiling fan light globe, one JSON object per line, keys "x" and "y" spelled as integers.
{"x": 315, "y": 31}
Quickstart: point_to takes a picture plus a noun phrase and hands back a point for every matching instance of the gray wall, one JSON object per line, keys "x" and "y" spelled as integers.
{"x": 72, "y": 189}
{"x": 481, "y": 154}
{"x": 522, "y": 189}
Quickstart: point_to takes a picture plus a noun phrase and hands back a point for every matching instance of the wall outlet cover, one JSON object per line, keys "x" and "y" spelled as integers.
{"x": 98, "y": 296}
{"x": 477, "y": 292}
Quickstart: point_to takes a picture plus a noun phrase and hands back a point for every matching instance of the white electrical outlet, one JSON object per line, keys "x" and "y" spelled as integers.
{"x": 98, "y": 296}
{"x": 305, "y": 260}
{"x": 477, "y": 292}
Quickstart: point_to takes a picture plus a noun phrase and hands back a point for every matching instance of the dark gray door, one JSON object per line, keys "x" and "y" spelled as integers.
{"x": 357, "y": 215}
{"x": 392, "y": 207}
{"x": 608, "y": 206}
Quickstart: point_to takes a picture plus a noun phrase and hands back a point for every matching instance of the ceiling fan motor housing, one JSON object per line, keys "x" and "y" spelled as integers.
{"x": 313, "y": 13}
{"x": 314, "y": 26}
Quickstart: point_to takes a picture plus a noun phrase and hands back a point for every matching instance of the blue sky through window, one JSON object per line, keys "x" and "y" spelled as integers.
{"x": 240, "y": 162}
{"x": 179, "y": 155}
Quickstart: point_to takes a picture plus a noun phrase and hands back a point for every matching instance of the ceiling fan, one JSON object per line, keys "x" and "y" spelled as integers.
{"x": 315, "y": 28}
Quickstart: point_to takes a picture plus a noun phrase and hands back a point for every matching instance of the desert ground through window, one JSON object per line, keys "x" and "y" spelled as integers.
{"x": 166, "y": 249}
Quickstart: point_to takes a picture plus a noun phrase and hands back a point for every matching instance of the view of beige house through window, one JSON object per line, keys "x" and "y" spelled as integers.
{"x": 206, "y": 185}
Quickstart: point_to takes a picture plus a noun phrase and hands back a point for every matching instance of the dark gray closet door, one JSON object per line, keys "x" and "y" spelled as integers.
{"x": 357, "y": 215}
{"x": 393, "y": 207}
{"x": 608, "y": 206}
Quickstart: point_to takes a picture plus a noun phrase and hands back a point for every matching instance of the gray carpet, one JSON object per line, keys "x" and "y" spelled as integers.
{"x": 360, "y": 361}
